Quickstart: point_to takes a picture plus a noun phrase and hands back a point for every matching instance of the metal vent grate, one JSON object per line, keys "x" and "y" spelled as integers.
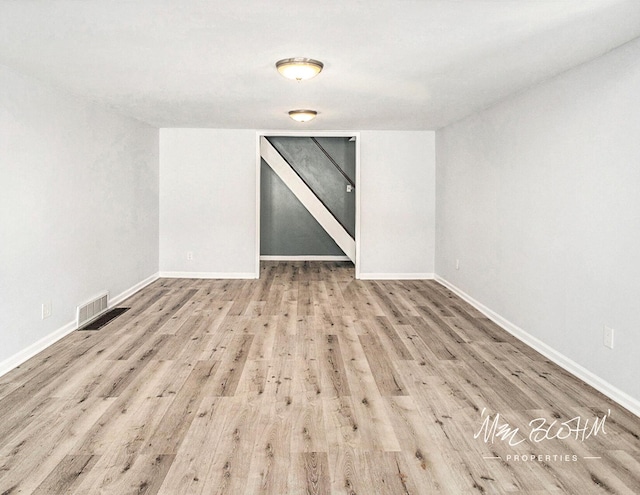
{"x": 93, "y": 309}
{"x": 105, "y": 319}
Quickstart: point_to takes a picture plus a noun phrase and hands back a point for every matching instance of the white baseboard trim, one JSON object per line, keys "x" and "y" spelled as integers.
{"x": 212, "y": 275}
{"x": 304, "y": 258}
{"x": 396, "y": 276}
{"x": 48, "y": 340}
{"x": 35, "y": 348}
{"x": 132, "y": 290}
{"x": 622, "y": 398}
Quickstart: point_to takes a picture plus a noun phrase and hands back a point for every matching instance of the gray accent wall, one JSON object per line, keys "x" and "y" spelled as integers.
{"x": 286, "y": 227}
{"x": 343, "y": 151}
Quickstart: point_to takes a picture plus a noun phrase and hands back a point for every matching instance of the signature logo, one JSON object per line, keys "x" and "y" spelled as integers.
{"x": 495, "y": 429}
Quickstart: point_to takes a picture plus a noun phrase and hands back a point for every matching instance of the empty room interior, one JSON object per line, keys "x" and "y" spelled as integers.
{"x": 298, "y": 247}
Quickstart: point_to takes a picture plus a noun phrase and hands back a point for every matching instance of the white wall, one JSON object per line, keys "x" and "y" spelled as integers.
{"x": 78, "y": 209}
{"x": 397, "y": 204}
{"x": 208, "y": 202}
{"x": 539, "y": 199}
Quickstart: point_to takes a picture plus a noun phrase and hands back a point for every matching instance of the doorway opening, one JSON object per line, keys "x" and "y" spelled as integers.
{"x": 308, "y": 197}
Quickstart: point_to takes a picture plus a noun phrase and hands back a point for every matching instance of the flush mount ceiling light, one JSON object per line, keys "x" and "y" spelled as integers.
{"x": 299, "y": 68}
{"x": 303, "y": 115}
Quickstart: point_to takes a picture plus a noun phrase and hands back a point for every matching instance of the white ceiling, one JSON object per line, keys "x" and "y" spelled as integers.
{"x": 389, "y": 64}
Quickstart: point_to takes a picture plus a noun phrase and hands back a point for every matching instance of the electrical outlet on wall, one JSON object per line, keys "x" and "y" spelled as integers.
{"x": 457, "y": 264}
{"x": 189, "y": 255}
{"x": 608, "y": 337}
{"x": 46, "y": 310}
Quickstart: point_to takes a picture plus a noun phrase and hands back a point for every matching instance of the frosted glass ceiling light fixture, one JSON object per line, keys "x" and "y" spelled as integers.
{"x": 299, "y": 68}
{"x": 303, "y": 115}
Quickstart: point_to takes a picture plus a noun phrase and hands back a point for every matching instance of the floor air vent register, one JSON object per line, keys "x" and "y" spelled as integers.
{"x": 94, "y": 315}
{"x": 98, "y": 323}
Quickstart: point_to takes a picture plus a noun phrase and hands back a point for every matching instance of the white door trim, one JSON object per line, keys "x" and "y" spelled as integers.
{"x": 266, "y": 133}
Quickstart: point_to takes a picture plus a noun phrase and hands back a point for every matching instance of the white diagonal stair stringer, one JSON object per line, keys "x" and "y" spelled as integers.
{"x": 307, "y": 197}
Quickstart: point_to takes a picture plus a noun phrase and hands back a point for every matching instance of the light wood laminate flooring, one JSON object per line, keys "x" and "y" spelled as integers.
{"x": 306, "y": 381}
